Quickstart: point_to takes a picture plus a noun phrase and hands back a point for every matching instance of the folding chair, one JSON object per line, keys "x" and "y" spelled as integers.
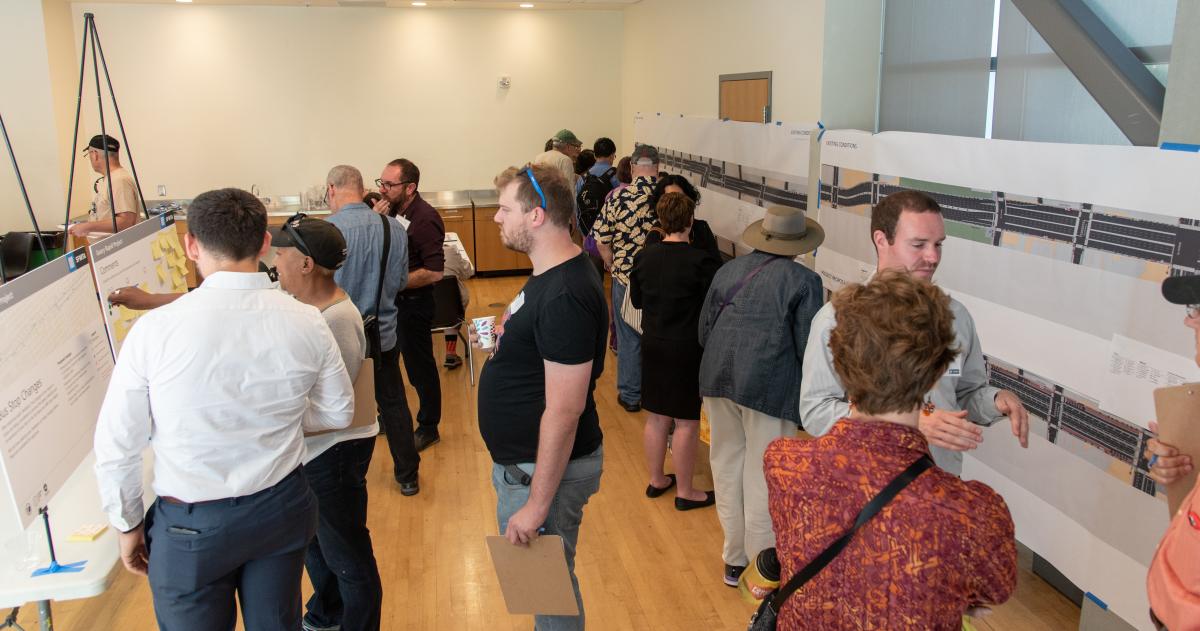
{"x": 449, "y": 315}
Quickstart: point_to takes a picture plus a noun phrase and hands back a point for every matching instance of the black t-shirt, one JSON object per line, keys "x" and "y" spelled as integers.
{"x": 559, "y": 316}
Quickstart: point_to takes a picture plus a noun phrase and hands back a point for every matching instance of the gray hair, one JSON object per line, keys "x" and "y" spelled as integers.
{"x": 345, "y": 176}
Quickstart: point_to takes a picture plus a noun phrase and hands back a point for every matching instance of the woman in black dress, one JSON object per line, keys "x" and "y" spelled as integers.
{"x": 668, "y": 283}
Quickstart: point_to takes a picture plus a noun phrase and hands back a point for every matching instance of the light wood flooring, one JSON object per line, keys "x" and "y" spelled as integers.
{"x": 641, "y": 564}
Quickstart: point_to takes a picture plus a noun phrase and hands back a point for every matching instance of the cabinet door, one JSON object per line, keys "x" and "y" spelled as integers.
{"x": 459, "y": 222}
{"x": 490, "y": 253}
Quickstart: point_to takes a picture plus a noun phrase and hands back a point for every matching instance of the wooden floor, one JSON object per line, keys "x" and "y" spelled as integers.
{"x": 641, "y": 564}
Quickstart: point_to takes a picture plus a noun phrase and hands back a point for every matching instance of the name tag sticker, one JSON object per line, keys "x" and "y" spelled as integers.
{"x": 955, "y": 369}
{"x": 516, "y": 304}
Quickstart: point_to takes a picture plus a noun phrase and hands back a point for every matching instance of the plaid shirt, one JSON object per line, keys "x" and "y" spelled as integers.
{"x": 623, "y": 223}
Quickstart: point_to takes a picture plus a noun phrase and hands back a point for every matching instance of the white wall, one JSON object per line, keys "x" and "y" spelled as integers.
{"x": 28, "y": 109}
{"x": 675, "y": 50}
{"x": 850, "y": 69}
{"x": 232, "y": 96}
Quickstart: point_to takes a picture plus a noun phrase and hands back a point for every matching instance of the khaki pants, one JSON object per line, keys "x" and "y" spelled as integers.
{"x": 740, "y": 435}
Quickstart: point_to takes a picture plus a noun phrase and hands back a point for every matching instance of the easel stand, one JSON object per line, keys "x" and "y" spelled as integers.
{"x": 45, "y": 616}
{"x": 91, "y": 41}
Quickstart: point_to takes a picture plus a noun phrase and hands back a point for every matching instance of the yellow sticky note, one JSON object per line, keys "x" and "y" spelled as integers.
{"x": 162, "y": 274}
{"x": 88, "y": 532}
{"x": 176, "y": 278}
{"x": 156, "y": 250}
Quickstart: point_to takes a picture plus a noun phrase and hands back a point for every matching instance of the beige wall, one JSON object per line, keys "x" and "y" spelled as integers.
{"x": 232, "y": 96}
{"x": 675, "y": 50}
{"x": 28, "y": 108}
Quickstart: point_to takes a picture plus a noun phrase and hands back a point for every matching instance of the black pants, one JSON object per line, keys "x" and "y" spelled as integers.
{"x": 394, "y": 415}
{"x": 416, "y": 344}
{"x": 203, "y": 556}
{"x": 341, "y": 562}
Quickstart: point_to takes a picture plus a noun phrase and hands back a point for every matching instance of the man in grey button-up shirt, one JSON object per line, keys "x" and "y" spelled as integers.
{"x": 908, "y": 231}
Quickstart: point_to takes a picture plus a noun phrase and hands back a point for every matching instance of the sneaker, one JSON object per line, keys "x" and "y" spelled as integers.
{"x": 733, "y": 573}
{"x": 630, "y": 407}
{"x": 452, "y": 362}
{"x": 308, "y": 626}
{"x": 425, "y": 438}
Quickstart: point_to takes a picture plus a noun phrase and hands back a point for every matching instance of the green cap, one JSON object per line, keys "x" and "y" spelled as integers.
{"x": 568, "y": 137}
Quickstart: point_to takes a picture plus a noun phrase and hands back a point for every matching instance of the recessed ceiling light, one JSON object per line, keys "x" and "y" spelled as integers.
{"x": 418, "y": 4}
{"x": 526, "y": 5}
{"x": 184, "y": 1}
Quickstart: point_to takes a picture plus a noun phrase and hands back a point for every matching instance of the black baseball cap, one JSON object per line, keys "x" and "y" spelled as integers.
{"x": 1182, "y": 290}
{"x": 315, "y": 238}
{"x": 100, "y": 140}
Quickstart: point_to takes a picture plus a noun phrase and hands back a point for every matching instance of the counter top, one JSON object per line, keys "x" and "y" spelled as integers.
{"x": 447, "y": 200}
{"x": 485, "y": 197}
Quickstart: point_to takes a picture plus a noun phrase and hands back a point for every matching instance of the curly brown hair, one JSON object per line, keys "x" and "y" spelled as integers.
{"x": 893, "y": 340}
{"x": 675, "y": 212}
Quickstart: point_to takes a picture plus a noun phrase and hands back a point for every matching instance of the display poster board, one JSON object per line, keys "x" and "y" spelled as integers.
{"x": 148, "y": 256}
{"x": 1058, "y": 252}
{"x": 740, "y": 168}
{"x": 55, "y": 364}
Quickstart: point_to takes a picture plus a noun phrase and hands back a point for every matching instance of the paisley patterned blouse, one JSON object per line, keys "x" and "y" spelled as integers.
{"x": 940, "y": 546}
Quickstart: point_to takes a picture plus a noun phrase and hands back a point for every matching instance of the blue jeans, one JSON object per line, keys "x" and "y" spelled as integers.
{"x": 340, "y": 560}
{"x": 580, "y": 481}
{"x": 629, "y": 360}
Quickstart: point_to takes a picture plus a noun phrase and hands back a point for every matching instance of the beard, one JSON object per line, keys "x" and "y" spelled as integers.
{"x": 520, "y": 240}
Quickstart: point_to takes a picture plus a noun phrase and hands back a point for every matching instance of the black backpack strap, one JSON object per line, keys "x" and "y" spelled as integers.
{"x": 878, "y": 502}
{"x": 387, "y": 246}
{"x": 608, "y": 175}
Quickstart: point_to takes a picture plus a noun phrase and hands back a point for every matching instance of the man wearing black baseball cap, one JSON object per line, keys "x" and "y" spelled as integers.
{"x": 347, "y": 592}
{"x": 103, "y": 154}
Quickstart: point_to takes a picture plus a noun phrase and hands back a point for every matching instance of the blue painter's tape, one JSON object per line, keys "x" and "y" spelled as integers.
{"x": 820, "y": 135}
{"x": 1180, "y": 146}
{"x": 1099, "y": 603}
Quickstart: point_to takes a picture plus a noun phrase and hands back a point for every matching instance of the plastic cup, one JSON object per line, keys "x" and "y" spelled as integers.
{"x": 485, "y": 328}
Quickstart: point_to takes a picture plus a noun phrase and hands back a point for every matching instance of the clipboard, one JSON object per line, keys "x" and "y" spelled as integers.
{"x": 534, "y": 578}
{"x": 366, "y": 410}
{"x": 1178, "y": 411}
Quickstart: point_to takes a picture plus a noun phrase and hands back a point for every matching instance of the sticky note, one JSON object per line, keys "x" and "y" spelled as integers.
{"x": 88, "y": 532}
{"x": 156, "y": 250}
{"x": 162, "y": 274}
{"x": 176, "y": 278}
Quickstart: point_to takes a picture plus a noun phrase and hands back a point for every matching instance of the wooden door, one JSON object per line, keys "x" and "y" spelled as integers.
{"x": 490, "y": 253}
{"x": 746, "y": 100}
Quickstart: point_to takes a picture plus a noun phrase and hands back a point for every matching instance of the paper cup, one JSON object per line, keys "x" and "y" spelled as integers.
{"x": 485, "y": 328}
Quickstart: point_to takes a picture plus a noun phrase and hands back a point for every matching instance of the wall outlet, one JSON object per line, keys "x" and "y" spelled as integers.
{"x": 162, "y": 190}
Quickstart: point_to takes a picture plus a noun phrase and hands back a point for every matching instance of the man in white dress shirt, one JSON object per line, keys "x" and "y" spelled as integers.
{"x": 222, "y": 384}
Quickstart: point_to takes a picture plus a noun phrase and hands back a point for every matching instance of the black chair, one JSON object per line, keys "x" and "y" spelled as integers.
{"x": 17, "y": 252}
{"x": 449, "y": 315}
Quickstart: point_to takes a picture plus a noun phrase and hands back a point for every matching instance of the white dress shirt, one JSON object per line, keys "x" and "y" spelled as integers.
{"x": 218, "y": 383}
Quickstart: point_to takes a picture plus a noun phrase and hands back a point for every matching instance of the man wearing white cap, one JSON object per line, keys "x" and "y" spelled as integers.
{"x": 753, "y": 327}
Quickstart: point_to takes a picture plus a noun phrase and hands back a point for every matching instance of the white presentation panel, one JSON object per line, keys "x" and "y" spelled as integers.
{"x": 55, "y": 363}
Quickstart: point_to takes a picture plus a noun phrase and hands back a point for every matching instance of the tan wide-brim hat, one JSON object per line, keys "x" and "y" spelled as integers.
{"x": 784, "y": 231}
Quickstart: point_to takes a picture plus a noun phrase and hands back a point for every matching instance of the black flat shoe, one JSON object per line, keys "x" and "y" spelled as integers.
{"x": 654, "y": 491}
{"x": 682, "y": 504}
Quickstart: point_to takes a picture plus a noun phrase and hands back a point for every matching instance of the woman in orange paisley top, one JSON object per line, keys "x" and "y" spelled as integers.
{"x": 942, "y": 545}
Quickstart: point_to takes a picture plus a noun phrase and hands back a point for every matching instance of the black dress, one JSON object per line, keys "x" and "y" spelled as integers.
{"x": 668, "y": 283}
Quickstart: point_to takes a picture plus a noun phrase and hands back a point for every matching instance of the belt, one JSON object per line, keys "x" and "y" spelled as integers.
{"x": 175, "y": 500}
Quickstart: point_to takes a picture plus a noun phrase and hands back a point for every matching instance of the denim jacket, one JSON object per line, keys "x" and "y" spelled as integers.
{"x": 753, "y": 353}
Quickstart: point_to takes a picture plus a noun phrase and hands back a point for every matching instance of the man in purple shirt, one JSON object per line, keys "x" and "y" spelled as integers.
{"x": 426, "y": 262}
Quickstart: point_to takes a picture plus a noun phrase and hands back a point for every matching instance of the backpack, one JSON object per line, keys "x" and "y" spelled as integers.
{"x": 591, "y": 198}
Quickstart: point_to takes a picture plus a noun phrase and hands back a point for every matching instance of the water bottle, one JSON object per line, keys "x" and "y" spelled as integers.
{"x": 760, "y": 578}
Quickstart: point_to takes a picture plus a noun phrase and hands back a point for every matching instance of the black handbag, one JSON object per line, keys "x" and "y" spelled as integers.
{"x": 767, "y": 616}
{"x": 371, "y": 322}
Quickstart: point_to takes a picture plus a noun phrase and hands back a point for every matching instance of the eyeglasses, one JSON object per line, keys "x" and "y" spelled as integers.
{"x": 381, "y": 183}
{"x": 289, "y": 227}
{"x": 528, "y": 170}
{"x": 1193, "y": 311}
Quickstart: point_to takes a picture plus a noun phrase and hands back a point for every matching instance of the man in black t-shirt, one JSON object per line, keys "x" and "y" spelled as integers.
{"x": 537, "y": 414}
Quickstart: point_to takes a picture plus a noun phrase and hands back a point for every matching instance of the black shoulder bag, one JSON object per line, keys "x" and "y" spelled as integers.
{"x": 767, "y": 615}
{"x": 371, "y": 322}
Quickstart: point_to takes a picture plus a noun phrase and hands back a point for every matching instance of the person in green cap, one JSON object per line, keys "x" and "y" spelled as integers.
{"x": 565, "y": 149}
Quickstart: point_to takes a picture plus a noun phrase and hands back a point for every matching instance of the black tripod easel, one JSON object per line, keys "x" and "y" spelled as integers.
{"x": 37, "y": 231}
{"x": 92, "y": 36}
